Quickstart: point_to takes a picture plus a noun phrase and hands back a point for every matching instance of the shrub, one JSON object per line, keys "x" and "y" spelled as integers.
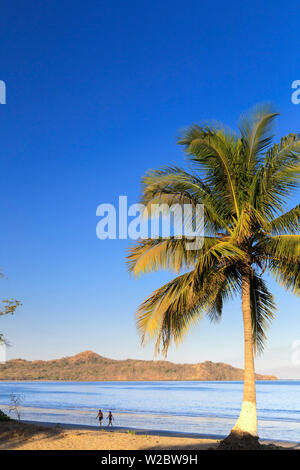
{"x": 4, "y": 417}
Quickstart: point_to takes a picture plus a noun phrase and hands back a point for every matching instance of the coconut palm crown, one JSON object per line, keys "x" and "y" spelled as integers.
{"x": 244, "y": 182}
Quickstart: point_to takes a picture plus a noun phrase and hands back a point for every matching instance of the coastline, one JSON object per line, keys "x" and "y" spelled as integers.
{"x": 211, "y": 409}
{"x": 122, "y": 430}
{"x": 35, "y": 435}
{"x": 151, "y": 432}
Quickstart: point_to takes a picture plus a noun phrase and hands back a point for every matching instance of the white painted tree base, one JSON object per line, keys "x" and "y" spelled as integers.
{"x": 247, "y": 421}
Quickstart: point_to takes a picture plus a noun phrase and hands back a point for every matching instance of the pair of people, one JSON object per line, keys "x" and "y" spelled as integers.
{"x": 109, "y": 417}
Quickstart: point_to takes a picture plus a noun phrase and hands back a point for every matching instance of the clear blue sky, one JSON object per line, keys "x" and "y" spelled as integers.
{"x": 96, "y": 94}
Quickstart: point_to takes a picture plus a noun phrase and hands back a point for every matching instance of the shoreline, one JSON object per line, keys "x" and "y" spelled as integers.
{"x": 188, "y": 427}
{"x": 34, "y": 435}
{"x": 159, "y": 409}
{"x": 122, "y": 430}
{"x": 148, "y": 432}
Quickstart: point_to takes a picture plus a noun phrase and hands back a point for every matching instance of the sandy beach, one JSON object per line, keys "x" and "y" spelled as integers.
{"x": 25, "y": 436}
{"x": 35, "y": 436}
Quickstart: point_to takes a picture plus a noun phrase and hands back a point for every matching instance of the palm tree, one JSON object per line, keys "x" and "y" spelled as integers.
{"x": 244, "y": 182}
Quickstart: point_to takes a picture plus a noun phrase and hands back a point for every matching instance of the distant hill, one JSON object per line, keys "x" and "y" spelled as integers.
{"x": 89, "y": 366}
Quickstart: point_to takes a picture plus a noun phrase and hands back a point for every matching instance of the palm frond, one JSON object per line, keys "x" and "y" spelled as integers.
{"x": 169, "y": 312}
{"x": 281, "y": 247}
{"x": 214, "y": 150}
{"x": 263, "y": 310}
{"x": 257, "y": 133}
{"x": 165, "y": 253}
{"x": 218, "y": 255}
{"x": 285, "y": 223}
{"x": 172, "y": 185}
{"x": 223, "y": 285}
{"x": 287, "y": 274}
{"x": 279, "y": 176}
{"x": 246, "y": 225}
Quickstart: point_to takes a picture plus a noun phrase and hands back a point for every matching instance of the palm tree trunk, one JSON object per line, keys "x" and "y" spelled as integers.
{"x": 244, "y": 434}
{"x": 247, "y": 422}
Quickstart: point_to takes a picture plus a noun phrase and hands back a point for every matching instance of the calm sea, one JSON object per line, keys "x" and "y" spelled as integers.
{"x": 189, "y": 407}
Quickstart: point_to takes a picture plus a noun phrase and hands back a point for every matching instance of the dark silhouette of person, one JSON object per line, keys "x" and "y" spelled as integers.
{"x": 100, "y": 417}
{"x": 110, "y": 419}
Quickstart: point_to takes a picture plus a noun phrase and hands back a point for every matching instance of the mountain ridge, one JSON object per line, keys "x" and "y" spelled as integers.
{"x": 90, "y": 366}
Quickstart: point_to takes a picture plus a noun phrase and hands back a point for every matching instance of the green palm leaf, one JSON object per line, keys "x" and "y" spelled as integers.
{"x": 263, "y": 309}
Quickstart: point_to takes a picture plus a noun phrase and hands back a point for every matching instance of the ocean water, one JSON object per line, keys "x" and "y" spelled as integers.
{"x": 206, "y": 408}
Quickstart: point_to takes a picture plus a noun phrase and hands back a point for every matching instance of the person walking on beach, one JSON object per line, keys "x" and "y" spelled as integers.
{"x": 110, "y": 419}
{"x": 100, "y": 417}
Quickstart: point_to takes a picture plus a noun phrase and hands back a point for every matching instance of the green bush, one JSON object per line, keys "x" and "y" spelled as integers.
{"x": 4, "y": 417}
